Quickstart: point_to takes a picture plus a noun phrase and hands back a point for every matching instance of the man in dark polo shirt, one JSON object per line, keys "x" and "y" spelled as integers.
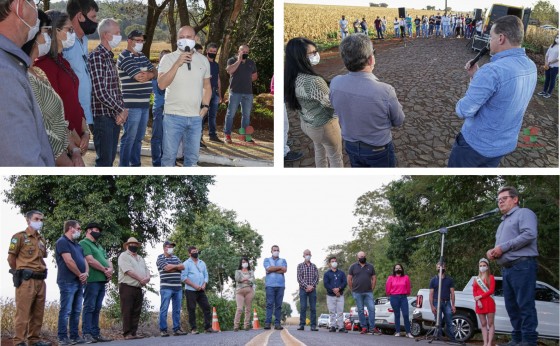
{"x": 100, "y": 272}
{"x": 73, "y": 272}
{"x": 361, "y": 281}
{"x": 447, "y": 300}
{"x": 243, "y": 72}
{"x": 516, "y": 252}
{"x": 25, "y": 255}
{"x": 170, "y": 267}
{"x": 211, "y": 51}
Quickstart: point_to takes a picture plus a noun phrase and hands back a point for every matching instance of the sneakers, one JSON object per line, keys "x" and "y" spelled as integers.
{"x": 236, "y": 329}
{"x": 542, "y": 93}
{"x": 210, "y": 330}
{"x": 410, "y": 336}
{"x": 89, "y": 339}
{"x": 332, "y": 330}
{"x": 293, "y": 156}
{"x": 163, "y": 334}
{"x": 100, "y": 338}
{"x": 398, "y": 334}
{"x": 179, "y": 332}
{"x": 547, "y": 96}
{"x": 278, "y": 327}
{"x": 267, "y": 326}
{"x": 216, "y": 139}
{"x": 64, "y": 341}
{"x": 79, "y": 340}
{"x": 363, "y": 331}
{"x": 194, "y": 332}
{"x": 375, "y": 331}
{"x": 228, "y": 139}
{"x": 300, "y": 328}
{"x": 314, "y": 329}
{"x": 342, "y": 330}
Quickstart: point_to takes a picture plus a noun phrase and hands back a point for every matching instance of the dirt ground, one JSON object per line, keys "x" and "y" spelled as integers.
{"x": 429, "y": 79}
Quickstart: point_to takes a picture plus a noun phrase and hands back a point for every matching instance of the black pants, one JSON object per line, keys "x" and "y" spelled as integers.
{"x": 194, "y": 297}
{"x": 131, "y": 308}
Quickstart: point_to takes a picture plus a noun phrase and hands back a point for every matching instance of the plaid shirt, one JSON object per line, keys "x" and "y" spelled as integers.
{"x": 107, "y": 99}
{"x": 307, "y": 275}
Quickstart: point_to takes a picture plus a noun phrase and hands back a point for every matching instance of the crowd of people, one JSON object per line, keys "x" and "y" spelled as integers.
{"x": 83, "y": 271}
{"x": 60, "y": 95}
{"x": 357, "y": 111}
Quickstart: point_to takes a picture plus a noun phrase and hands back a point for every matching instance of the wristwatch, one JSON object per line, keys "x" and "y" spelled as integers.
{"x": 204, "y": 106}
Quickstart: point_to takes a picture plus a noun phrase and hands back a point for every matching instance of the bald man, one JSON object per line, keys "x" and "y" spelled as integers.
{"x": 361, "y": 281}
{"x": 308, "y": 278}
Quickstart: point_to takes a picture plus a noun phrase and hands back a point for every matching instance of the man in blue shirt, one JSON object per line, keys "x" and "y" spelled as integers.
{"x": 335, "y": 283}
{"x": 275, "y": 284}
{"x": 496, "y": 99}
{"x": 195, "y": 277}
{"x": 447, "y": 303}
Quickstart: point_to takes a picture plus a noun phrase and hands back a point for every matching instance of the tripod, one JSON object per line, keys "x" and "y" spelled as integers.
{"x": 433, "y": 333}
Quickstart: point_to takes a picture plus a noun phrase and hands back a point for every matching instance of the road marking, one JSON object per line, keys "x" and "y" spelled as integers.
{"x": 289, "y": 339}
{"x": 260, "y": 339}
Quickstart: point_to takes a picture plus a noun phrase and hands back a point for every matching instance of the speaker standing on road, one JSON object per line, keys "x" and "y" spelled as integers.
{"x": 496, "y": 100}
{"x": 516, "y": 252}
{"x": 308, "y": 278}
{"x": 275, "y": 283}
{"x": 398, "y": 289}
{"x": 335, "y": 282}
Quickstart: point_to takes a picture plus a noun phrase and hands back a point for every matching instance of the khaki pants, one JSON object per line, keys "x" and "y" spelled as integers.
{"x": 30, "y": 307}
{"x": 243, "y": 296}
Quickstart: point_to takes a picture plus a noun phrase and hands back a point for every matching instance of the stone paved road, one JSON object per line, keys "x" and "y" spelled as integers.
{"x": 429, "y": 79}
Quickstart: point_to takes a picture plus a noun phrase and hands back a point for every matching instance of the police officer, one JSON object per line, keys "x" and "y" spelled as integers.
{"x": 25, "y": 257}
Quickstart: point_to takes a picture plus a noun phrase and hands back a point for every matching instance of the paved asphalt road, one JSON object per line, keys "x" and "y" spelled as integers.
{"x": 290, "y": 336}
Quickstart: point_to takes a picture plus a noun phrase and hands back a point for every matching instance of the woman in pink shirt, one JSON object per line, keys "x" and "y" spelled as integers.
{"x": 397, "y": 289}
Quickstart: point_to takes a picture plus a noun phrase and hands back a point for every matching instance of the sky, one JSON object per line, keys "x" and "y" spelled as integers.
{"x": 456, "y": 5}
{"x": 294, "y": 212}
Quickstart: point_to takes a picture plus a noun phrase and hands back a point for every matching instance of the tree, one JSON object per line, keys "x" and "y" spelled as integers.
{"x": 286, "y": 311}
{"x": 384, "y": 5}
{"x": 545, "y": 12}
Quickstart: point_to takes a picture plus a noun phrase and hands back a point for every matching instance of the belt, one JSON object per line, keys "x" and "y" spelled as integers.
{"x": 39, "y": 276}
{"x": 515, "y": 261}
{"x": 372, "y": 147}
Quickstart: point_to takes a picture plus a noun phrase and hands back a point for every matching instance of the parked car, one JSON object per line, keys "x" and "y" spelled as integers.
{"x": 354, "y": 319}
{"x": 385, "y": 317}
{"x": 466, "y": 323}
{"x": 323, "y": 321}
{"x": 549, "y": 27}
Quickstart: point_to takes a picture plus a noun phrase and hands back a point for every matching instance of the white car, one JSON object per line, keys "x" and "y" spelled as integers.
{"x": 323, "y": 321}
{"x": 549, "y": 27}
{"x": 385, "y": 317}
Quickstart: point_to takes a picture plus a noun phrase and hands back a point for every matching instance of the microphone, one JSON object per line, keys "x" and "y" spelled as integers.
{"x": 482, "y": 53}
{"x": 484, "y": 215}
{"x": 188, "y": 49}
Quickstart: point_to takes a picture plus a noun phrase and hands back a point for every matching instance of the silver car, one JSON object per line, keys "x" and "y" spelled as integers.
{"x": 323, "y": 321}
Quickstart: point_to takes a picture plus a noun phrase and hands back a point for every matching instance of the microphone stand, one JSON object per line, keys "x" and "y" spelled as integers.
{"x": 433, "y": 333}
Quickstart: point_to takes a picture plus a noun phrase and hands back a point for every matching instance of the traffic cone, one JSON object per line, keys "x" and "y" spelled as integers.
{"x": 256, "y": 324}
{"x": 215, "y": 323}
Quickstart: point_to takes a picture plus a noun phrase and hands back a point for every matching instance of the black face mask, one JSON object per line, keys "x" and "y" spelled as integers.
{"x": 442, "y": 271}
{"x": 362, "y": 260}
{"x": 96, "y": 235}
{"x": 212, "y": 55}
{"x": 88, "y": 26}
{"x": 398, "y": 271}
{"x": 194, "y": 255}
{"x": 245, "y": 56}
{"x": 132, "y": 248}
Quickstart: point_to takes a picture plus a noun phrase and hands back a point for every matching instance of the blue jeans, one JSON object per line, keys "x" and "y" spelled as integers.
{"x": 550, "y": 79}
{"x": 366, "y": 299}
{"x": 175, "y": 296}
{"x": 94, "y": 293}
{"x": 519, "y": 297}
{"x": 379, "y": 33}
{"x": 105, "y": 138}
{"x": 274, "y": 297}
{"x": 409, "y": 29}
{"x": 463, "y": 155}
{"x": 211, "y": 115}
{"x": 437, "y": 29}
{"x": 303, "y": 297}
{"x": 71, "y": 295}
{"x": 397, "y": 34}
{"x": 364, "y": 155}
{"x": 425, "y": 30}
{"x": 175, "y": 128}
{"x": 131, "y": 140}
{"x": 399, "y": 303}
{"x": 157, "y": 136}
{"x": 246, "y": 102}
{"x": 445, "y": 30}
{"x": 446, "y": 315}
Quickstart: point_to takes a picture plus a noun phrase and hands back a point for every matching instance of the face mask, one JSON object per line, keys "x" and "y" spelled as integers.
{"x": 76, "y": 235}
{"x": 138, "y": 47}
{"x": 183, "y": 43}
{"x": 307, "y": 258}
{"x": 133, "y": 248}
{"x": 115, "y": 41}
{"x": 275, "y": 253}
{"x": 398, "y": 271}
{"x": 88, "y": 26}
{"x": 36, "y": 225}
{"x": 442, "y": 271}
{"x": 334, "y": 265}
{"x": 44, "y": 47}
{"x": 70, "y": 40}
{"x": 33, "y": 30}
{"x": 245, "y": 56}
{"x": 212, "y": 55}
{"x": 170, "y": 250}
{"x": 483, "y": 269}
{"x": 362, "y": 260}
{"x": 194, "y": 255}
{"x": 95, "y": 235}
{"x": 314, "y": 59}
{"x": 244, "y": 265}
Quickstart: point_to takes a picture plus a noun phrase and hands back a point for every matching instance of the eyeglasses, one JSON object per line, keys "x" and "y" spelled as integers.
{"x": 503, "y": 199}
{"x": 313, "y": 53}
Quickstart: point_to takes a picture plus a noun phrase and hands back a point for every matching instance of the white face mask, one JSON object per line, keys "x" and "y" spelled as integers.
{"x": 33, "y": 30}
{"x": 275, "y": 253}
{"x": 170, "y": 251}
{"x": 44, "y": 47}
{"x": 115, "y": 41}
{"x": 183, "y": 43}
{"x": 308, "y": 257}
{"x": 36, "y": 225}
{"x": 76, "y": 235}
{"x": 244, "y": 265}
{"x": 314, "y": 59}
{"x": 138, "y": 47}
{"x": 70, "y": 40}
{"x": 334, "y": 265}
{"x": 483, "y": 269}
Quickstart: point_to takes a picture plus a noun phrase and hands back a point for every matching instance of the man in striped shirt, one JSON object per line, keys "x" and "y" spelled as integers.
{"x": 170, "y": 267}
{"x": 135, "y": 73}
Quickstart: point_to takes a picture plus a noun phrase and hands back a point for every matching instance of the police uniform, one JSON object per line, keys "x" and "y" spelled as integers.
{"x": 29, "y": 249}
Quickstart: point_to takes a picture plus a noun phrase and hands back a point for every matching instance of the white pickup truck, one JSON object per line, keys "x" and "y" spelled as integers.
{"x": 466, "y": 323}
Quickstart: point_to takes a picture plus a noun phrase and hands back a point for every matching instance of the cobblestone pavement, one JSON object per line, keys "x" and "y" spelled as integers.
{"x": 429, "y": 78}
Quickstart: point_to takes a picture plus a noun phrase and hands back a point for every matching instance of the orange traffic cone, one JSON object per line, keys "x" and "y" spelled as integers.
{"x": 256, "y": 324}
{"x": 215, "y": 323}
